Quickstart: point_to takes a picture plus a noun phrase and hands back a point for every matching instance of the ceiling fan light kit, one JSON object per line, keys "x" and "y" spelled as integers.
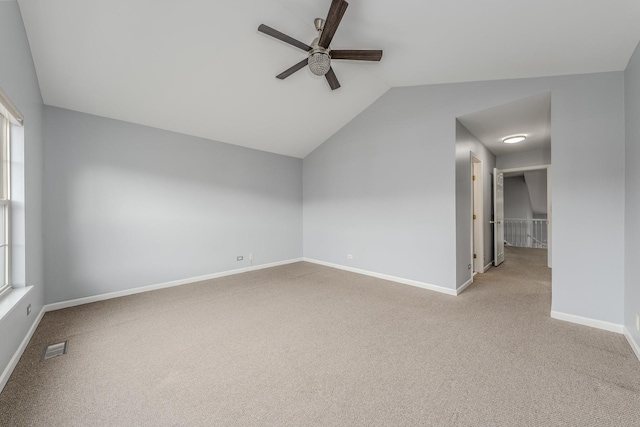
{"x": 319, "y": 63}
{"x": 319, "y": 54}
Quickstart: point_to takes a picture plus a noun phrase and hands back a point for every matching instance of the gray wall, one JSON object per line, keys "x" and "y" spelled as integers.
{"x": 128, "y": 206}
{"x": 18, "y": 79}
{"x": 517, "y": 203}
{"x": 380, "y": 190}
{"x": 466, "y": 144}
{"x": 537, "y": 185}
{"x": 632, "y": 213}
{"x": 523, "y": 160}
{"x": 383, "y": 188}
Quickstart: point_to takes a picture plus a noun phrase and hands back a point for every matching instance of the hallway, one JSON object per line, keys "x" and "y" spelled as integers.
{"x": 523, "y": 271}
{"x": 589, "y": 364}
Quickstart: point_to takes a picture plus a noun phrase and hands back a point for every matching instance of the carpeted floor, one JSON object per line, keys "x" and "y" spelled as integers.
{"x": 303, "y": 345}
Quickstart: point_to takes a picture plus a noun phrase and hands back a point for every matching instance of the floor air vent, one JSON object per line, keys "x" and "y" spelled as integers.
{"x": 55, "y": 350}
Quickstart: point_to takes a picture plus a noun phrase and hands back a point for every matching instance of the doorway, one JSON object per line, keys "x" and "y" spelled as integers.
{"x": 482, "y": 144}
{"x": 531, "y": 224}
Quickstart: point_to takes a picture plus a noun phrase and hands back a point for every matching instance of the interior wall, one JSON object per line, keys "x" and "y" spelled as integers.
{"x": 18, "y": 79}
{"x": 523, "y": 160}
{"x": 383, "y": 188}
{"x": 467, "y": 143}
{"x": 632, "y": 205}
{"x": 517, "y": 204}
{"x": 128, "y": 206}
{"x": 537, "y": 185}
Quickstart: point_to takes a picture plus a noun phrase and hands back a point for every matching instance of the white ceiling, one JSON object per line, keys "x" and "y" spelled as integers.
{"x": 200, "y": 67}
{"x": 530, "y": 117}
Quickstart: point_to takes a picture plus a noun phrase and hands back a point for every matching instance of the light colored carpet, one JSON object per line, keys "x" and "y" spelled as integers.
{"x": 305, "y": 345}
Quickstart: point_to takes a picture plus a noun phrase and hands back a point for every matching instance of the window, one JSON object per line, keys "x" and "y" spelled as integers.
{"x": 9, "y": 116}
{"x": 5, "y": 203}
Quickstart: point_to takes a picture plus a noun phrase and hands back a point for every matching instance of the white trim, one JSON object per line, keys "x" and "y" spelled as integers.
{"x": 598, "y": 324}
{"x": 409, "y": 282}
{"x": 463, "y": 287}
{"x": 8, "y": 370}
{"x": 488, "y": 266}
{"x": 11, "y": 299}
{"x": 472, "y": 261}
{"x": 549, "y": 221}
{"x": 526, "y": 168}
{"x": 477, "y": 201}
{"x": 634, "y": 345}
{"x": 9, "y": 109}
{"x": 110, "y": 295}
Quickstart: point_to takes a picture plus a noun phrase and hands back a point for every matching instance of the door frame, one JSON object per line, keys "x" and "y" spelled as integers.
{"x": 477, "y": 209}
{"x": 549, "y": 206}
{"x": 498, "y": 217}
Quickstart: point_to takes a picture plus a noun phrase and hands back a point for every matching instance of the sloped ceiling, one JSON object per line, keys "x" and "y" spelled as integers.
{"x": 200, "y": 67}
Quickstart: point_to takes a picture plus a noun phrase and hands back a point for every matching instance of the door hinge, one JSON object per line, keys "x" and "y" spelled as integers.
{"x": 474, "y": 177}
{"x": 474, "y": 216}
{"x": 475, "y": 256}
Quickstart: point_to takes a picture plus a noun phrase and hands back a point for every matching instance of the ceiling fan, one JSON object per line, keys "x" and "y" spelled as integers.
{"x": 319, "y": 53}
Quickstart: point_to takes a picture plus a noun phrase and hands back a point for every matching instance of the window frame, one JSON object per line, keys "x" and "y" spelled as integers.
{"x": 5, "y": 200}
{"x": 11, "y": 117}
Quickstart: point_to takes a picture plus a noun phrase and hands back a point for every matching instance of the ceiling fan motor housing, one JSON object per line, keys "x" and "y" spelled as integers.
{"x": 319, "y": 59}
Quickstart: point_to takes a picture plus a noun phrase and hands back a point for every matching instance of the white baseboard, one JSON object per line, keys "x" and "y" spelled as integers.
{"x": 133, "y": 291}
{"x": 409, "y": 282}
{"x": 488, "y": 266}
{"x": 8, "y": 370}
{"x": 598, "y": 324}
{"x": 634, "y": 345}
{"x": 464, "y": 286}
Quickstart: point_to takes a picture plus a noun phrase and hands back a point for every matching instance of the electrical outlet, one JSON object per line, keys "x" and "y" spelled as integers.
{"x": 349, "y": 256}
{"x": 29, "y": 309}
{"x": 469, "y": 267}
{"x": 638, "y": 322}
{"x": 239, "y": 258}
{"x": 251, "y": 256}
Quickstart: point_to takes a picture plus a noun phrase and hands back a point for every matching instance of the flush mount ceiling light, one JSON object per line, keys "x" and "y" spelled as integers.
{"x": 514, "y": 139}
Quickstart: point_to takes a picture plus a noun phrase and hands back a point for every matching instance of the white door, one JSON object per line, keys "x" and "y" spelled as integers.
{"x": 498, "y": 217}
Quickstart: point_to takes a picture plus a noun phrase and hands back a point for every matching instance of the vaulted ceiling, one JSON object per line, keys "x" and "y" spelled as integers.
{"x": 200, "y": 67}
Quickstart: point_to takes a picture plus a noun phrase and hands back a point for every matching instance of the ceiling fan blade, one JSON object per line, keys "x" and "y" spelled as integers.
{"x": 285, "y": 38}
{"x": 357, "y": 55}
{"x": 336, "y": 12}
{"x": 332, "y": 79}
{"x": 300, "y": 65}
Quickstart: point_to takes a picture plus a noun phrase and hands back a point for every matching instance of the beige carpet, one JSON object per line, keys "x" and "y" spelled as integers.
{"x": 306, "y": 345}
